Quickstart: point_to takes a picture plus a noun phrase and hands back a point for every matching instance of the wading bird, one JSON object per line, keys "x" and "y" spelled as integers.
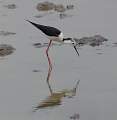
{"x": 53, "y": 34}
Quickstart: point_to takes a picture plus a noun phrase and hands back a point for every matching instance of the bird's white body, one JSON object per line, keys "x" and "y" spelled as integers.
{"x": 57, "y": 39}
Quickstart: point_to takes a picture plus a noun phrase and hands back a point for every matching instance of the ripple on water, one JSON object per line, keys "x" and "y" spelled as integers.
{"x": 10, "y": 6}
{"x": 41, "y": 45}
{"x": 114, "y": 44}
{"x": 6, "y": 33}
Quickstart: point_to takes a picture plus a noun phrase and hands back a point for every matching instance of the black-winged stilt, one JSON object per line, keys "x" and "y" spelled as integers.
{"x": 53, "y": 34}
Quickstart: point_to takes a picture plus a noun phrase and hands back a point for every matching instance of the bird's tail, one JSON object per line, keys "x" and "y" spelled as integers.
{"x": 36, "y": 25}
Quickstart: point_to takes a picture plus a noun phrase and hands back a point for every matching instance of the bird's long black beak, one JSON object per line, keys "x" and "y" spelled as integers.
{"x": 76, "y": 50}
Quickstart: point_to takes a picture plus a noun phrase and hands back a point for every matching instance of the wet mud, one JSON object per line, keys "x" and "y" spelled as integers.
{"x": 6, "y": 49}
{"x": 93, "y": 41}
{"x": 50, "y": 6}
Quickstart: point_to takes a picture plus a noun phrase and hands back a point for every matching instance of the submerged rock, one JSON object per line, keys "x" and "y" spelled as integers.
{"x": 6, "y": 49}
{"x": 93, "y": 41}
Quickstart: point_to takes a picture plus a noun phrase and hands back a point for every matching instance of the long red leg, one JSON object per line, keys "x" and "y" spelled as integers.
{"x": 50, "y": 66}
{"x": 49, "y": 61}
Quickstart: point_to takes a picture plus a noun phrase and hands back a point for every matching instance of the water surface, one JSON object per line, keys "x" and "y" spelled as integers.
{"x": 21, "y": 88}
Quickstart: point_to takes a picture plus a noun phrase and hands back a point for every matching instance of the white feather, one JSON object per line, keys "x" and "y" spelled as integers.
{"x": 61, "y": 36}
{"x": 57, "y": 39}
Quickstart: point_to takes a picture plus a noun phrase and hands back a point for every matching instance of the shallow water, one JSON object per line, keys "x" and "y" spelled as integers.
{"x": 21, "y": 89}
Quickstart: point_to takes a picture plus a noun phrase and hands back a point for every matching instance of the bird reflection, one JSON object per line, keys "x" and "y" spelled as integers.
{"x": 55, "y": 98}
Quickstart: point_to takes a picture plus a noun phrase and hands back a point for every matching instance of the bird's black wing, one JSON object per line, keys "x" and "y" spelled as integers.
{"x": 50, "y": 31}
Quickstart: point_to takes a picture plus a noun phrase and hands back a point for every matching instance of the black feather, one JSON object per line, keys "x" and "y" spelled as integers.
{"x": 50, "y": 31}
